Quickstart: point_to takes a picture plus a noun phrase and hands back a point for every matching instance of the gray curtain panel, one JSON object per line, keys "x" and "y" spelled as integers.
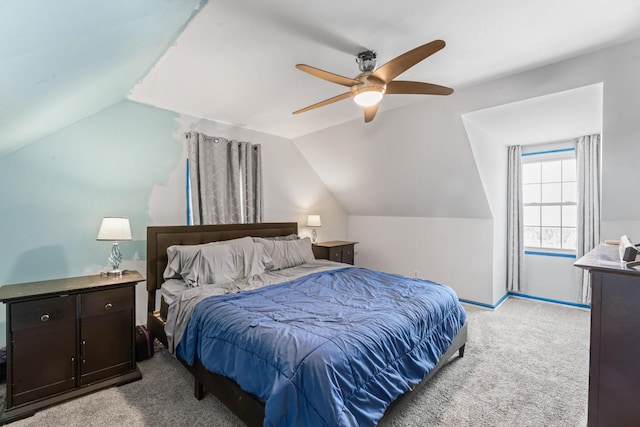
{"x": 251, "y": 169}
{"x": 515, "y": 226}
{"x": 588, "y": 169}
{"x": 226, "y": 180}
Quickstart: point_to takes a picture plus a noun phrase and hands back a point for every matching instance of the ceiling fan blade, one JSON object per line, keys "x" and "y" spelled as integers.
{"x": 418, "y": 88}
{"x": 325, "y": 102}
{"x": 402, "y": 63}
{"x": 370, "y": 112}
{"x": 325, "y": 75}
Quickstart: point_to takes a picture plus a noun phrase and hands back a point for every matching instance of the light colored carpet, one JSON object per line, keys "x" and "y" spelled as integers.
{"x": 526, "y": 364}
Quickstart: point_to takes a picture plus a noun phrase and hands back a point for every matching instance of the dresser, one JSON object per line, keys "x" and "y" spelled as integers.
{"x": 614, "y": 362}
{"x": 337, "y": 250}
{"x": 66, "y": 338}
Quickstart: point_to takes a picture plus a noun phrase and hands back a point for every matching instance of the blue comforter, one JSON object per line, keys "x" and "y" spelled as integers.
{"x": 328, "y": 349}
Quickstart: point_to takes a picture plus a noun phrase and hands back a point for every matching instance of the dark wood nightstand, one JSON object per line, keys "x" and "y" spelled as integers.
{"x": 337, "y": 250}
{"x": 67, "y": 338}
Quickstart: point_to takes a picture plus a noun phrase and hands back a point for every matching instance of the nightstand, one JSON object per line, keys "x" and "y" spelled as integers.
{"x": 67, "y": 338}
{"x": 337, "y": 250}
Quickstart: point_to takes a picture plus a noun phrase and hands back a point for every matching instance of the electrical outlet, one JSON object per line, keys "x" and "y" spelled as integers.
{"x": 415, "y": 273}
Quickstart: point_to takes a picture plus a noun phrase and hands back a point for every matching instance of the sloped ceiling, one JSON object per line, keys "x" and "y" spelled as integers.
{"x": 235, "y": 61}
{"x": 556, "y": 117}
{"x": 64, "y": 60}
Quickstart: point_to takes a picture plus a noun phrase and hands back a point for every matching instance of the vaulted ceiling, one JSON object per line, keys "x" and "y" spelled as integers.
{"x": 64, "y": 60}
{"x": 233, "y": 61}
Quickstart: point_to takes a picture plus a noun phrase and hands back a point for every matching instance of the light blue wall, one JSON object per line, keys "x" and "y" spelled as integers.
{"x": 56, "y": 190}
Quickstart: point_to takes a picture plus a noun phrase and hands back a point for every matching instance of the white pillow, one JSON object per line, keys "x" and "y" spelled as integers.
{"x": 287, "y": 253}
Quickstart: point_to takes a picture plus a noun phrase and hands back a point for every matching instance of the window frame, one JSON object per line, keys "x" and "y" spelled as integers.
{"x": 541, "y": 156}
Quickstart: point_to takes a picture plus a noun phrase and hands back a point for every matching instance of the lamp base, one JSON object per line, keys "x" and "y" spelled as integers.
{"x": 314, "y": 236}
{"x": 114, "y": 259}
{"x": 114, "y": 273}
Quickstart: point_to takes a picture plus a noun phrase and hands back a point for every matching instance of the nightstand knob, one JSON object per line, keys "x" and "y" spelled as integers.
{"x": 108, "y": 306}
{"x": 44, "y": 317}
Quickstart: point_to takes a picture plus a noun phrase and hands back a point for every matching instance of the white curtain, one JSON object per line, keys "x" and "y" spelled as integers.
{"x": 226, "y": 180}
{"x": 588, "y": 169}
{"x": 515, "y": 227}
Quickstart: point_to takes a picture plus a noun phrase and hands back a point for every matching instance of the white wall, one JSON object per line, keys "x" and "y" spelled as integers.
{"x": 612, "y": 230}
{"x": 451, "y": 251}
{"x": 491, "y": 159}
{"x": 551, "y": 277}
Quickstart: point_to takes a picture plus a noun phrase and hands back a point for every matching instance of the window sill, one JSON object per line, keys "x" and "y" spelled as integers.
{"x": 542, "y": 252}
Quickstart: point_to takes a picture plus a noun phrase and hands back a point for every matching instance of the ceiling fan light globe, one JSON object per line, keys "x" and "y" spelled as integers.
{"x": 367, "y": 98}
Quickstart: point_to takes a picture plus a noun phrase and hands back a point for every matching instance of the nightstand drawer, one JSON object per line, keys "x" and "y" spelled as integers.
{"x": 107, "y": 301}
{"x": 335, "y": 254}
{"x": 347, "y": 254}
{"x": 43, "y": 313}
{"x": 339, "y": 251}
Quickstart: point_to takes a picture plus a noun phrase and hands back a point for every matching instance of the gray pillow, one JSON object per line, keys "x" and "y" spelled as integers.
{"x": 182, "y": 259}
{"x": 184, "y": 263}
{"x": 287, "y": 237}
{"x": 287, "y": 253}
{"x": 221, "y": 264}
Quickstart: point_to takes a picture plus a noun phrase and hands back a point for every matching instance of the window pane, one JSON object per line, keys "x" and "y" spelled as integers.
{"x": 531, "y": 193}
{"x": 551, "y": 171}
{"x": 569, "y": 170}
{"x": 551, "y": 216}
{"x": 531, "y": 215}
{"x": 551, "y": 237}
{"x": 569, "y": 216}
{"x": 568, "y": 238}
{"x": 530, "y": 173}
{"x": 532, "y": 237}
{"x": 569, "y": 192}
{"x": 551, "y": 193}
{"x": 553, "y": 185}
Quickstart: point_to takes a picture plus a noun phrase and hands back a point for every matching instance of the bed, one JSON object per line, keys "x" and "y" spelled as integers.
{"x": 304, "y": 393}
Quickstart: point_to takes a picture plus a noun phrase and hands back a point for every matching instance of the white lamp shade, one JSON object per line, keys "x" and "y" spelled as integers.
{"x": 114, "y": 228}
{"x": 314, "y": 221}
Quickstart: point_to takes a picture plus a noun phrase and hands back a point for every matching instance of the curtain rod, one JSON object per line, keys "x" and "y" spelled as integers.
{"x": 216, "y": 139}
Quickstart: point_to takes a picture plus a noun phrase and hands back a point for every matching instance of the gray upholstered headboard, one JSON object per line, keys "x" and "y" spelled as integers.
{"x": 159, "y": 238}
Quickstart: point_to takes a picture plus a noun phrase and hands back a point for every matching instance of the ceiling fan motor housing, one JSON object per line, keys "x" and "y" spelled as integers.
{"x": 366, "y": 61}
{"x": 370, "y": 91}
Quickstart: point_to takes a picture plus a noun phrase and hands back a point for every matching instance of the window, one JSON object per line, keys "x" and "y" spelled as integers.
{"x": 549, "y": 194}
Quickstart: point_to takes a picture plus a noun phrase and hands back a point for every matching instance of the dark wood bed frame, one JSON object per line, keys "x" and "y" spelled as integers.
{"x": 246, "y": 406}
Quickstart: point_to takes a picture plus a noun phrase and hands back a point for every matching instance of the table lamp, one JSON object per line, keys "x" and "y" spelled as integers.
{"x": 114, "y": 228}
{"x": 314, "y": 221}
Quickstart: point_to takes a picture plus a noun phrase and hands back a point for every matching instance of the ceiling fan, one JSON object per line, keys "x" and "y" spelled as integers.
{"x": 368, "y": 87}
